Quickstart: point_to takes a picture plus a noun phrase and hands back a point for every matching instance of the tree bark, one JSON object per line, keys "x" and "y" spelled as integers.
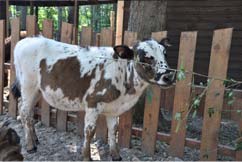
{"x": 146, "y": 17}
{"x": 59, "y": 22}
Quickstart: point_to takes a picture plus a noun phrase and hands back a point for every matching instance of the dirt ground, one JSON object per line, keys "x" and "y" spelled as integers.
{"x": 66, "y": 146}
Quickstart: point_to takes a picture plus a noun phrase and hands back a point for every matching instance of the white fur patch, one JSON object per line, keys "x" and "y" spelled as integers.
{"x": 57, "y": 99}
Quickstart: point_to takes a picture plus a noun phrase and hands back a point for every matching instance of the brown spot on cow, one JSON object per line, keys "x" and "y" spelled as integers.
{"x": 65, "y": 75}
{"x": 112, "y": 93}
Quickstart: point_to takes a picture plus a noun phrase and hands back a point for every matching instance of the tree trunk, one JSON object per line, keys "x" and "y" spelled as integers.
{"x": 59, "y": 22}
{"x": 146, "y": 17}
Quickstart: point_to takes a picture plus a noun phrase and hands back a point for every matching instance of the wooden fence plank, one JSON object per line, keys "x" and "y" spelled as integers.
{"x": 151, "y": 112}
{"x": 106, "y": 39}
{"x": 97, "y": 39}
{"x": 45, "y": 108}
{"x": 15, "y": 30}
{"x": 2, "y": 60}
{"x": 31, "y": 25}
{"x": 86, "y": 36}
{"x": 112, "y": 20}
{"x": 214, "y": 98}
{"x": 66, "y": 37}
{"x": 182, "y": 93}
{"x": 158, "y": 36}
{"x": 119, "y": 22}
{"x": 125, "y": 120}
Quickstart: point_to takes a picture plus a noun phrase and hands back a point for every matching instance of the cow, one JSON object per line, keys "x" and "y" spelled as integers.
{"x": 97, "y": 80}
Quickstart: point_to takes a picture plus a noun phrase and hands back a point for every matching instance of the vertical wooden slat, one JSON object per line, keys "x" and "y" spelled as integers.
{"x": 66, "y": 37}
{"x": 15, "y": 30}
{"x": 31, "y": 25}
{"x": 86, "y": 36}
{"x": 119, "y": 22}
{"x": 97, "y": 40}
{"x": 45, "y": 108}
{"x": 151, "y": 112}
{"x": 182, "y": 93}
{"x": 2, "y": 60}
{"x": 112, "y": 20}
{"x": 7, "y": 18}
{"x": 214, "y": 98}
{"x": 106, "y": 39}
{"x": 125, "y": 120}
{"x": 158, "y": 36}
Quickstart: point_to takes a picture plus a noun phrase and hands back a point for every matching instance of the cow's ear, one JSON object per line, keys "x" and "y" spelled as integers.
{"x": 165, "y": 42}
{"x": 123, "y": 52}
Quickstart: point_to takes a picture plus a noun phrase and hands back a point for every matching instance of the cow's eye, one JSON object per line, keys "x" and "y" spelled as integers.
{"x": 149, "y": 60}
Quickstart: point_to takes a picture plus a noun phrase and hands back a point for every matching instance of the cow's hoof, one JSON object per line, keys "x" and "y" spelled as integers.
{"x": 117, "y": 159}
{"x": 34, "y": 150}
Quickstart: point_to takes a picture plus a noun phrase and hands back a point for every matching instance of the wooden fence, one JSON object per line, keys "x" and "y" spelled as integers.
{"x": 176, "y": 98}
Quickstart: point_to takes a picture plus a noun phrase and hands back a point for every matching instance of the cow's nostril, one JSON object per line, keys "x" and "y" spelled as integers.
{"x": 167, "y": 79}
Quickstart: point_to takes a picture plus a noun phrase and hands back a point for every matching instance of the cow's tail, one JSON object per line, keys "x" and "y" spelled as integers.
{"x": 15, "y": 88}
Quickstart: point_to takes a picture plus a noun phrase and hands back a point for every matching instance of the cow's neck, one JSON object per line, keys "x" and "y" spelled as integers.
{"x": 138, "y": 82}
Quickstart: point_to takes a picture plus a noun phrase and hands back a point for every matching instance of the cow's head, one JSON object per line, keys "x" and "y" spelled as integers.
{"x": 151, "y": 60}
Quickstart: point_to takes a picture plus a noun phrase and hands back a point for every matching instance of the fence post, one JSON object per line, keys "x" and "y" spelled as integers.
{"x": 2, "y": 60}
{"x": 86, "y": 36}
{"x": 125, "y": 120}
{"x": 182, "y": 93}
{"x": 214, "y": 98}
{"x": 119, "y": 22}
{"x": 151, "y": 111}
{"x": 31, "y": 25}
{"x": 45, "y": 108}
{"x": 66, "y": 37}
{"x": 15, "y": 30}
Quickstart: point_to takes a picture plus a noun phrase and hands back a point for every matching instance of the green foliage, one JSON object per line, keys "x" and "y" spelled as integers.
{"x": 149, "y": 95}
{"x": 96, "y": 16}
{"x": 238, "y": 146}
{"x": 178, "y": 118}
{"x": 229, "y": 96}
{"x": 181, "y": 73}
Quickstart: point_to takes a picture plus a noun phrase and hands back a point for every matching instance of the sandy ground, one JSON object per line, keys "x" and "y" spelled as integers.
{"x": 66, "y": 146}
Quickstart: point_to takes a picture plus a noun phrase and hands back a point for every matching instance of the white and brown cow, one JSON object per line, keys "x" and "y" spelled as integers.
{"x": 97, "y": 80}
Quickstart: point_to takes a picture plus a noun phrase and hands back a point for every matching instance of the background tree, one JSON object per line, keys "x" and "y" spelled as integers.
{"x": 146, "y": 17}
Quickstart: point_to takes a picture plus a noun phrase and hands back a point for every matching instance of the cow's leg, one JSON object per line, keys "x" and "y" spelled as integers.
{"x": 29, "y": 100}
{"x": 112, "y": 130}
{"x": 89, "y": 131}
